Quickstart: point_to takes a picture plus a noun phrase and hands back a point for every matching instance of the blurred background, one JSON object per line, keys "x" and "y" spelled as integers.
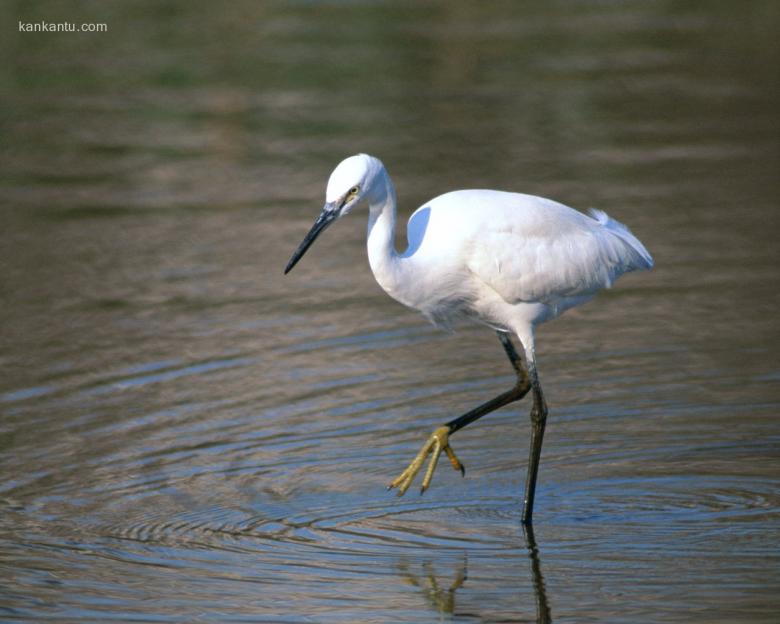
{"x": 187, "y": 435}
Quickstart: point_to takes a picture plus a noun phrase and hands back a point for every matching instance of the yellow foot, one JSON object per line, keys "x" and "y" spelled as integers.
{"x": 438, "y": 442}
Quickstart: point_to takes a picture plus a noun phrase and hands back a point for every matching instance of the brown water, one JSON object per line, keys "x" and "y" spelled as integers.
{"x": 187, "y": 435}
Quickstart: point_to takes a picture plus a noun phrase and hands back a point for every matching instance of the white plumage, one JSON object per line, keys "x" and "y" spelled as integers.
{"x": 508, "y": 260}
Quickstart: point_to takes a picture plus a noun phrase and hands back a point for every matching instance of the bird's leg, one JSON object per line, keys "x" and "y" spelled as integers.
{"x": 538, "y": 421}
{"x": 434, "y": 445}
{"x": 439, "y": 439}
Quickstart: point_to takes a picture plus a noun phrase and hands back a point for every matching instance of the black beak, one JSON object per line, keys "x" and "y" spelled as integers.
{"x": 328, "y": 215}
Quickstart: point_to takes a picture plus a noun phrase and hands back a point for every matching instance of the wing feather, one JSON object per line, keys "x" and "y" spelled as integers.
{"x": 542, "y": 251}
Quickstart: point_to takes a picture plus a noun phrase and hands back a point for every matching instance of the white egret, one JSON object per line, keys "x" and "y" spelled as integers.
{"x": 507, "y": 260}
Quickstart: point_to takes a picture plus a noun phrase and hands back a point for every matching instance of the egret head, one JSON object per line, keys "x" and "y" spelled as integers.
{"x": 354, "y": 179}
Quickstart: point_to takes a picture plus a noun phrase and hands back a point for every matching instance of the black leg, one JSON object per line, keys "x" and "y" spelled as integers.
{"x": 520, "y": 389}
{"x": 439, "y": 439}
{"x": 538, "y": 421}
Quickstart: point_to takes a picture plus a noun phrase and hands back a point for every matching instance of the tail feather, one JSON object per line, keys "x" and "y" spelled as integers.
{"x": 643, "y": 258}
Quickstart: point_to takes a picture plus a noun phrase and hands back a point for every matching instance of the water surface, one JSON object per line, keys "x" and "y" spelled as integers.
{"x": 187, "y": 435}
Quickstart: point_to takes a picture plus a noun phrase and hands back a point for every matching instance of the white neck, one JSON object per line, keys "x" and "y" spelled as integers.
{"x": 382, "y": 255}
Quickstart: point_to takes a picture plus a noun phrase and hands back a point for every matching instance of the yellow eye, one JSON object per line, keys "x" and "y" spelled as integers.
{"x": 353, "y": 191}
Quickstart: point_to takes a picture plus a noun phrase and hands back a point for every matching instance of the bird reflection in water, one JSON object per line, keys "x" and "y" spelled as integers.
{"x": 443, "y": 599}
{"x": 540, "y": 592}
